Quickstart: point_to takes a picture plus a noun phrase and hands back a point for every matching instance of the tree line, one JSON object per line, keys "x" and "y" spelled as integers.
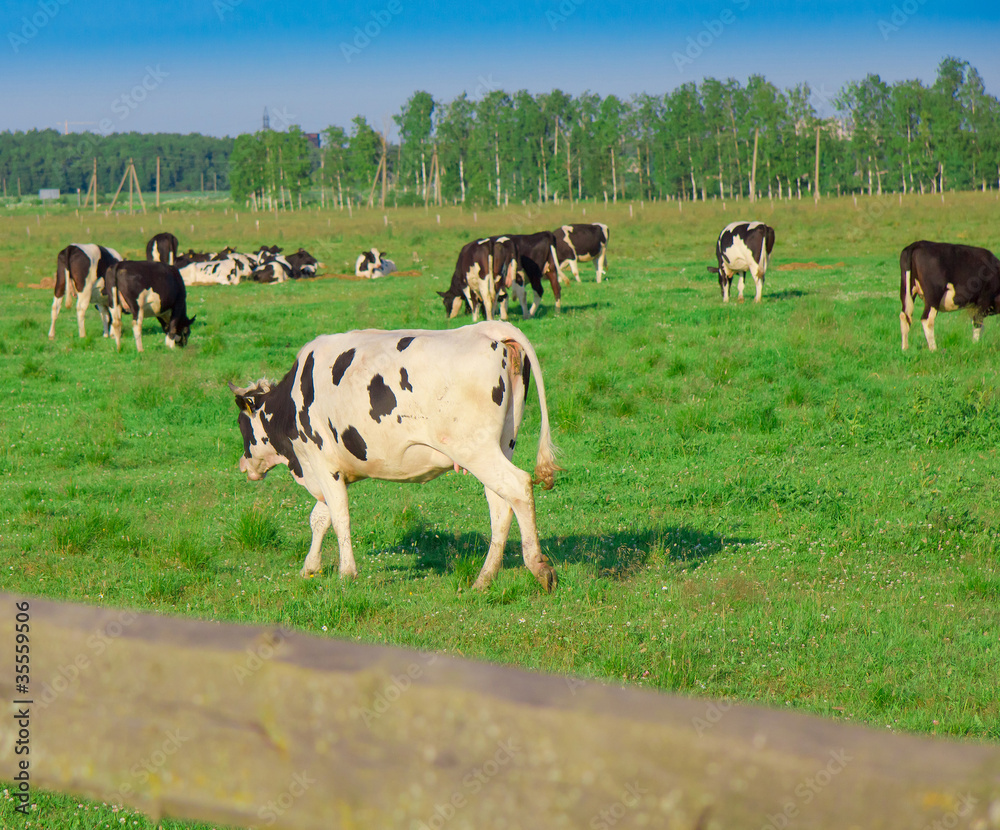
{"x": 714, "y": 139}
{"x": 36, "y": 159}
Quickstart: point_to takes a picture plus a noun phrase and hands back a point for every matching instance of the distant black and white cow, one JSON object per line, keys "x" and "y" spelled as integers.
{"x": 228, "y": 271}
{"x": 742, "y": 247}
{"x": 162, "y": 248}
{"x": 537, "y": 259}
{"x": 80, "y": 269}
{"x": 582, "y": 243}
{"x": 404, "y": 406}
{"x": 303, "y": 264}
{"x": 948, "y": 277}
{"x": 485, "y": 269}
{"x": 271, "y": 267}
{"x": 138, "y": 287}
{"x": 372, "y": 264}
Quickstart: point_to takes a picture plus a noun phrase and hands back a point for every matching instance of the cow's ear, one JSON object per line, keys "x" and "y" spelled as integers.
{"x": 244, "y": 398}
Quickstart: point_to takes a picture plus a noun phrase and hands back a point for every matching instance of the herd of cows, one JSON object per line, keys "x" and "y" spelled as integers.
{"x": 397, "y": 405}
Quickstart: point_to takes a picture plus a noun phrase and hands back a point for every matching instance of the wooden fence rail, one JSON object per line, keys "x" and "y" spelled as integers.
{"x": 268, "y": 727}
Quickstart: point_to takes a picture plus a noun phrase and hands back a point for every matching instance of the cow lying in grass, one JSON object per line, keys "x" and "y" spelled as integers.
{"x": 404, "y": 406}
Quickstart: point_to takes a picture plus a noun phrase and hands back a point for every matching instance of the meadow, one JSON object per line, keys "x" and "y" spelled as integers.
{"x": 764, "y": 503}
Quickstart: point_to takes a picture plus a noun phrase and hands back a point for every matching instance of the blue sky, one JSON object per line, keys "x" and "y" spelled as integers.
{"x": 212, "y": 66}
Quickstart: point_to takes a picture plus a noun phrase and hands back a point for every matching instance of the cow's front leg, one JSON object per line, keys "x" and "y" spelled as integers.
{"x": 759, "y": 285}
{"x": 501, "y": 516}
{"x": 977, "y": 325}
{"x": 335, "y": 493}
{"x": 739, "y": 287}
{"x": 319, "y": 523}
{"x": 105, "y": 317}
{"x": 116, "y": 326}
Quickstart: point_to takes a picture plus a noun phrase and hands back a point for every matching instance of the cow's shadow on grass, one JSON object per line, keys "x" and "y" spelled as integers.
{"x": 785, "y": 294}
{"x": 616, "y": 556}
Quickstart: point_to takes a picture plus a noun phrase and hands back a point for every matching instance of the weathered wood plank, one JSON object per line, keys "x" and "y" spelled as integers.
{"x": 248, "y": 725}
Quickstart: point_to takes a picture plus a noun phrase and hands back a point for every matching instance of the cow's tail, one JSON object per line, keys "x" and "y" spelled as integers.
{"x": 545, "y": 462}
{"x": 906, "y": 280}
{"x": 64, "y": 286}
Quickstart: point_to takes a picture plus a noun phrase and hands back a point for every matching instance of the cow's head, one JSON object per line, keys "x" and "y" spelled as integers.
{"x": 453, "y": 302}
{"x": 259, "y": 454}
{"x": 179, "y": 331}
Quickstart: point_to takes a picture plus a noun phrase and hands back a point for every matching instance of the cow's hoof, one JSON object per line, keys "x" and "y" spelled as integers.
{"x": 349, "y": 575}
{"x": 546, "y": 575}
{"x": 306, "y": 574}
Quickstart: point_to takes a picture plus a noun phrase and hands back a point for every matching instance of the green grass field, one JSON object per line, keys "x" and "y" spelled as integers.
{"x": 768, "y": 503}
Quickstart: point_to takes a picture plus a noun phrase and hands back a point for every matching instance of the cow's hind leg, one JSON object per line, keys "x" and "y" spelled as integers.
{"x": 927, "y": 321}
{"x": 137, "y": 327}
{"x": 501, "y": 515}
{"x": 56, "y": 305}
{"x": 602, "y": 263}
{"x": 514, "y": 486}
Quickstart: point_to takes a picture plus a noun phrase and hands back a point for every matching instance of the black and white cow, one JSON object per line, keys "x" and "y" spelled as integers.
{"x": 742, "y": 247}
{"x": 228, "y": 271}
{"x": 373, "y": 264}
{"x": 485, "y": 269}
{"x": 271, "y": 267}
{"x": 404, "y": 406}
{"x": 162, "y": 248}
{"x": 537, "y": 259}
{"x": 303, "y": 264}
{"x": 80, "y": 269}
{"x": 138, "y": 287}
{"x": 582, "y": 243}
{"x": 948, "y": 277}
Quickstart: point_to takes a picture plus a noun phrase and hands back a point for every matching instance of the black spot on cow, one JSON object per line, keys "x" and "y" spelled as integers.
{"x": 278, "y": 417}
{"x": 336, "y": 476}
{"x": 399, "y": 419}
{"x": 526, "y": 373}
{"x": 340, "y": 366}
{"x": 403, "y": 343}
{"x": 512, "y": 442}
{"x": 498, "y": 391}
{"x": 308, "y": 389}
{"x": 333, "y": 429}
{"x": 404, "y": 381}
{"x": 494, "y": 344}
{"x": 355, "y": 444}
{"x": 382, "y": 399}
{"x": 246, "y": 430}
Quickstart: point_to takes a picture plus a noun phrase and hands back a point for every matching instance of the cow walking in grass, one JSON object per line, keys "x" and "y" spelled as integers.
{"x": 404, "y": 406}
{"x": 80, "y": 270}
{"x": 948, "y": 277}
{"x": 741, "y": 247}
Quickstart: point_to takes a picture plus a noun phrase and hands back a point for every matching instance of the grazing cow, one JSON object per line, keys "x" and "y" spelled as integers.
{"x": 404, "y": 406}
{"x": 80, "y": 268}
{"x": 485, "y": 269}
{"x": 138, "y": 287}
{"x": 742, "y": 247}
{"x": 303, "y": 264}
{"x": 582, "y": 243}
{"x": 948, "y": 277}
{"x": 162, "y": 248}
{"x": 372, "y": 265}
{"x": 537, "y": 258}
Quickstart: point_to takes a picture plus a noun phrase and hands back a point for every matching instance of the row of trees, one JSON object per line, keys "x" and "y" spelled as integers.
{"x": 719, "y": 138}
{"x": 36, "y": 159}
